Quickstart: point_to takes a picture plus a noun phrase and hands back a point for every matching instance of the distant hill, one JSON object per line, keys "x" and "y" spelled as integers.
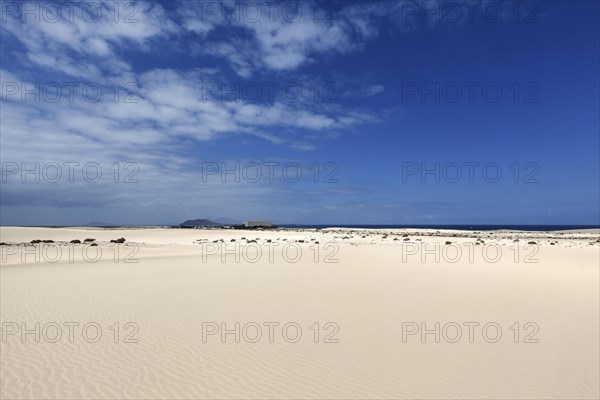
{"x": 199, "y": 222}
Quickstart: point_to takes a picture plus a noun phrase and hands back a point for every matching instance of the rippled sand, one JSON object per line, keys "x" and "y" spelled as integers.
{"x": 357, "y": 296}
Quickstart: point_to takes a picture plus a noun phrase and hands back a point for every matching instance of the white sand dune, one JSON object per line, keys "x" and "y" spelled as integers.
{"x": 379, "y": 288}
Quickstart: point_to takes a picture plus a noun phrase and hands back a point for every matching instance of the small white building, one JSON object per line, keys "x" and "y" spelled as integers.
{"x": 251, "y": 224}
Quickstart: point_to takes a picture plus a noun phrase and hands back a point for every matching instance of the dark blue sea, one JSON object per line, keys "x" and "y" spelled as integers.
{"x": 540, "y": 228}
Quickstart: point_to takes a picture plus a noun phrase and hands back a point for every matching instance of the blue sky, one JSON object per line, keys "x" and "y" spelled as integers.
{"x": 374, "y": 93}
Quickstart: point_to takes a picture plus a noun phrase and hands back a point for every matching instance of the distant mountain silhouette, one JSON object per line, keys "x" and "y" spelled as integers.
{"x": 199, "y": 222}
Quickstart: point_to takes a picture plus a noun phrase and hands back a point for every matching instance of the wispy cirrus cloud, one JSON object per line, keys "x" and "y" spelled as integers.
{"x": 280, "y": 37}
{"x": 85, "y": 44}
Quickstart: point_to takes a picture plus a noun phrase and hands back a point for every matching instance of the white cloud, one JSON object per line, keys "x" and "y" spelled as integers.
{"x": 170, "y": 105}
{"x": 374, "y": 89}
{"x": 303, "y": 146}
{"x": 240, "y": 54}
{"x": 171, "y": 112}
{"x": 77, "y": 47}
{"x": 279, "y": 41}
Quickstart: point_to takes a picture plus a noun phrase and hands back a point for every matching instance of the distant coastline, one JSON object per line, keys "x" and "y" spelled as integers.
{"x": 526, "y": 228}
{"x": 529, "y": 228}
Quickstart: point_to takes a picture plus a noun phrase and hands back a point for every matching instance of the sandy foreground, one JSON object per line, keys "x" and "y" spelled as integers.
{"x": 336, "y": 313}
